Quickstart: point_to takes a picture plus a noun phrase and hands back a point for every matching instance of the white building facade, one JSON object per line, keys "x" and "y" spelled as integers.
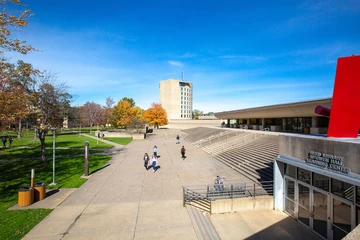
{"x": 176, "y": 97}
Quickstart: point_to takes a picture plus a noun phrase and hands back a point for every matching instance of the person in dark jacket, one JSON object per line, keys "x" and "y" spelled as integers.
{"x": 146, "y": 160}
{"x": 183, "y": 150}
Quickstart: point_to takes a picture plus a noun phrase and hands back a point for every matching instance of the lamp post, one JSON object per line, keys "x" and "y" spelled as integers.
{"x": 54, "y": 141}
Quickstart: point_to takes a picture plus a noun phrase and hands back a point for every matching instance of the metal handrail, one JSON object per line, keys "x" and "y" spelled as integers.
{"x": 233, "y": 142}
{"x": 227, "y": 190}
{"x": 216, "y": 136}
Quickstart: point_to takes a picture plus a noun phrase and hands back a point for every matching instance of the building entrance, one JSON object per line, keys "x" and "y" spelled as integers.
{"x": 327, "y": 214}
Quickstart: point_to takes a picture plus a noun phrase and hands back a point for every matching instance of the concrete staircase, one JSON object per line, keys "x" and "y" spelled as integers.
{"x": 202, "y": 134}
{"x": 253, "y": 159}
{"x": 248, "y": 153}
{"x": 203, "y": 227}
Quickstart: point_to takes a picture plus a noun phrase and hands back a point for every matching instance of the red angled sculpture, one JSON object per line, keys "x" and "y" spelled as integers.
{"x": 345, "y": 108}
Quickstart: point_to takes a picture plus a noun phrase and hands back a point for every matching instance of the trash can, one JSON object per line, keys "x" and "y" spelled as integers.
{"x": 25, "y": 196}
{"x": 39, "y": 191}
{"x": 306, "y": 130}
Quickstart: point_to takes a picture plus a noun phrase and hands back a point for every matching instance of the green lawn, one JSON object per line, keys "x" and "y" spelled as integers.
{"x": 122, "y": 141}
{"x": 62, "y": 140}
{"x": 15, "y": 224}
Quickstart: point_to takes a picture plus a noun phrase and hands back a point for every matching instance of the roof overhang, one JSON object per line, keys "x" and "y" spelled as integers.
{"x": 298, "y": 109}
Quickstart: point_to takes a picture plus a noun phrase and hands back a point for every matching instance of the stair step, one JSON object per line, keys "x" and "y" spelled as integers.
{"x": 204, "y": 229}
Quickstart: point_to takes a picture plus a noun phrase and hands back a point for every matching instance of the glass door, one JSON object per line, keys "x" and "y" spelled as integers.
{"x": 320, "y": 212}
{"x": 304, "y": 204}
{"x": 341, "y": 218}
{"x": 290, "y": 196}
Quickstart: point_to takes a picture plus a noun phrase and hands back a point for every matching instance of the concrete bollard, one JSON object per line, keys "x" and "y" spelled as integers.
{"x": 86, "y": 172}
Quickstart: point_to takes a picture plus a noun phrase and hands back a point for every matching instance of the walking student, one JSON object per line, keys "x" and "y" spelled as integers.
{"x": 146, "y": 160}
{"x": 154, "y": 162}
{"x": 183, "y": 150}
{"x": 3, "y": 139}
{"x": 10, "y": 141}
{"x": 177, "y": 139}
{"x": 155, "y": 151}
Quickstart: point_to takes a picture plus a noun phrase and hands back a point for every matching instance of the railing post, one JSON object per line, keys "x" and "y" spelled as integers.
{"x": 183, "y": 197}
{"x": 232, "y": 191}
{"x": 254, "y": 191}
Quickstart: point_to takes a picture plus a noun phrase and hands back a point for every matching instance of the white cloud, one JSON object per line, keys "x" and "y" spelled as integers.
{"x": 244, "y": 57}
{"x": 176, "y": 63}
{"x": 188, "y": 55}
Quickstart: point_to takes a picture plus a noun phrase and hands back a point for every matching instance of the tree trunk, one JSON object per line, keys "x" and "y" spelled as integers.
{"x": 42, "y": 135}
{"x": 19, "y": 132}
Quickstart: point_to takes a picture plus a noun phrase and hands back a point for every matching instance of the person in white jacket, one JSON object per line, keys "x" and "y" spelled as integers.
{"x": 155, "y": 150}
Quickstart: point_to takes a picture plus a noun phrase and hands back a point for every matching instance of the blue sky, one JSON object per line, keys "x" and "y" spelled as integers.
{"x": 238, "y": 54}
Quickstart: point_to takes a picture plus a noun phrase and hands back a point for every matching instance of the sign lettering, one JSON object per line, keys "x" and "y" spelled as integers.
{"x": 328, "y": 161}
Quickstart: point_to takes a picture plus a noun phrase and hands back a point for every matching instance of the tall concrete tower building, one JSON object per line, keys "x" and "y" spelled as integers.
{"x": 176, "y": 97}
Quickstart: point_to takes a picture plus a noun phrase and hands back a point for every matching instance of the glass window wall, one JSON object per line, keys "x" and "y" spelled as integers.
{"x": 321, "y": 181}
{"x": 319, "y": 198}
{"x": 304, "y": 175}
{"x": 342, "y": 189}
{"x": 290, "y": 170}
{"x": 342, "y": 218}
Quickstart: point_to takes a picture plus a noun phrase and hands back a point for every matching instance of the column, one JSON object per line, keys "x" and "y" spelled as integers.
{"x": 314, "y": 122}
{"x": 314, "y": 129}
{"x": 284, "y": 125}
{"x": 278, "y": 185}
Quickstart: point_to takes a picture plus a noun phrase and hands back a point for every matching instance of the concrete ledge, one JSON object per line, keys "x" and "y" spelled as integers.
{"x": 242, "y": 204}
{"x": 122, "y": 134}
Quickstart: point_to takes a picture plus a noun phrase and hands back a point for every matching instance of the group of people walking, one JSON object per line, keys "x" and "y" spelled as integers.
{"x": 155, "y": 156}
{"x": 4, "y": 140}
{"x": 182, "y": 150}
{"x": 153, "y": 160}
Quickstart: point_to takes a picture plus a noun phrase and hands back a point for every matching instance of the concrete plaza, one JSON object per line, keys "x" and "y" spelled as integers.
{"x": 125, "y": 201}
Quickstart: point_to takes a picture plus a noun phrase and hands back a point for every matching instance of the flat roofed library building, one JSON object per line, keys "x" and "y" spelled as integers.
{"x": 316, "y": 179}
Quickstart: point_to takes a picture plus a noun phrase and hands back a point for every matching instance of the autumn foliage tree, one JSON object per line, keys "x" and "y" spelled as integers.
{"x": 123, "y": 114}
{"x": 9, "y": 22}
{"x": 11, "y": 95}
{"x": 156, "y": 115}
{"x": 13, "y": 100}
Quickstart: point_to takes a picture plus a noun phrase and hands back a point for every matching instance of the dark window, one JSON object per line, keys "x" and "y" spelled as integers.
{"x": 342, "y": 189}
{"x": 323, "y": 122}
{"x": 290, "y": 170}
{"x": 297, "y": 124}
{"x": 304, "y": 175}
{"x": 321, "y": 181}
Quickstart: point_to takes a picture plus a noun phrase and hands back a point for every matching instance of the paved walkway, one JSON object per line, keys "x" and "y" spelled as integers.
{"x": 124, "y": 201}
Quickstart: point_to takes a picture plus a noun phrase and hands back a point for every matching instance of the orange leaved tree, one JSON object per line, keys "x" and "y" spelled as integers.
{"x": 156, "y": 115}
{"x": 123, "y": 114}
